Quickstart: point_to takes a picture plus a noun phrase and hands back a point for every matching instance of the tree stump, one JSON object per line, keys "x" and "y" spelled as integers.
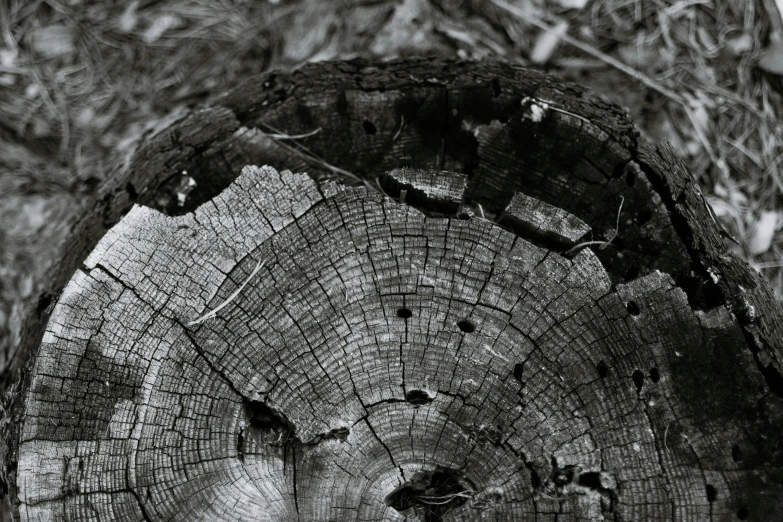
{"x": 472, "y": 294}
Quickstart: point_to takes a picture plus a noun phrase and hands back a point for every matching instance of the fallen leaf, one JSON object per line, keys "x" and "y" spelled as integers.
{"x": 159, "y": 26}
{"x": 763, "y": 232}
{"x": 772, "y": 58}
{"x": 129, "y": 17}
{"x": 740, "y": 44}
{"x": 32, "y": 91}
{"x": 85, "y": 119}
{"x": 547, "y": 42}
{"x": 572, "y": 4}
{"x": 41, "y": 128}
{"x": 8, "y": 57}
{"x": 410, "y": 27}
{"x": 53, "y": 40}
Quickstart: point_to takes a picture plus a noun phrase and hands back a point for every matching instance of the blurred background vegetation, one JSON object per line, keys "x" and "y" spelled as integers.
{"x": 81, "y": 80}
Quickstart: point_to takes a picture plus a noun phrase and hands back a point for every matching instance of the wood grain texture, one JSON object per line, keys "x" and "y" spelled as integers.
{"x": 533, "y": 218}
{"x": 394, "y": 358}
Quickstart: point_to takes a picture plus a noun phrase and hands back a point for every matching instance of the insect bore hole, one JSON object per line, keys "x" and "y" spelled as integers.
{"x": 418, "y": 397}
{"x": 369, "y": 128}
{"x": 712, "y": 493}
{"x": 519, "y": 368}
{"x": 638, "y": 380}
{"x": 404, "y": 313}
{"x": 466, "y": 326}
{"x": 644, "y": 216}
{"x": 602, "y": 368}
{"x": 736, "y": 453}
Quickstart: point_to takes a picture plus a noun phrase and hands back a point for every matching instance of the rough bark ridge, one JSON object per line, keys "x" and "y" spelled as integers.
{"x": 451, "y": 352}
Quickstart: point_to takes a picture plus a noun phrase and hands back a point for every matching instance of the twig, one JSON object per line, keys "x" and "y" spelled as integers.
{"x": 303, "y": 151}
{"x": 294, "y": 136}
{"x": 551, "y": 106}
{"x": 589, "y": 49}
{"x": 399, "y": 131}
{"x": 616, "y": 225}
{"x": 665, "y": 433}
{"x": 606, "y": 243}
{"x": 587, "y": 243}
{"x": 230, "y": 298}
{"x": 768, "y": 264}
{"x": 445, "y": 499}
{"x": 700, "y": 134}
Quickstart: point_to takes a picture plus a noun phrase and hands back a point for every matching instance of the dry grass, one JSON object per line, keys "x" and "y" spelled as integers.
{"x": 728, "y": 123}
{"x": 83, "y": 73}
{"x": 80, "y": 79}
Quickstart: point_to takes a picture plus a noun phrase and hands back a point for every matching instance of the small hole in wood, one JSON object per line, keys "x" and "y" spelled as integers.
{"x": 619, "y": 169}
{"x": 743, "y": 512}
{"x": 633, "y": 307}
{"x": 643, "y": 216}
{"x": 736, "y": 453}
{"x": 44, "y": 301}
{"x": 638, "y": 380}
{"x": 466, "y": 326}
{"x": 631, "y": 273}
{"x": 369, "y": 128}
{"x": 602, "y": 368}
{"x": 712, "y": 493}
{"x": 131, "y": 190}
{"x": 518, "y": 369}
{"x": 263, "y": 417}
{"x": 713, "y": 294}
{"x": 241, "y": 446}
{"x": 535, "y": 480}
{"x": 630, "y": 178}
{"x": 655, "y": 375}
{"x": 590, "y": 480}
{"x": 774, "y": 379}
{"x": 418, "y": 397}
{"x": 495, "y": 86}
{"x": 404, "y": 313}
{"x": 563, "y": 476}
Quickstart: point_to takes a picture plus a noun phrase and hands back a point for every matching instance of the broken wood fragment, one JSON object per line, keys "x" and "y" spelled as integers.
{"x": 427, "y": 189}
{"x": 547, "y": 223}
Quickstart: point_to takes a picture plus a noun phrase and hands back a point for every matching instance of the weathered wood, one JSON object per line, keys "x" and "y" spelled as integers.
{"x": 426, "y": 189}
{"x": 546, "y": 223}
{"x": 374, "y": 359}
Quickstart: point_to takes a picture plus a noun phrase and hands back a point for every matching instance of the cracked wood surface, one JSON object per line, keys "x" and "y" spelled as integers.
{"x": 437, "y": 355}
{"x": 375, "y": 344}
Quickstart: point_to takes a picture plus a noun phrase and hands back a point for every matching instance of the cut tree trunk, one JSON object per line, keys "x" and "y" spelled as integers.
{"x": 458, "y": 291}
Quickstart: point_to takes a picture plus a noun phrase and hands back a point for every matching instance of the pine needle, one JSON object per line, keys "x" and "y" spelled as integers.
{"x": 603, "y": 244}
{"x": 294, "y": 136}
{"x": 233, "y": 296}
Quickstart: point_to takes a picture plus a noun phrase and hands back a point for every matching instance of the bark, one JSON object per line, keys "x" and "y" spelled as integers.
{"x": 503, "y": 307}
